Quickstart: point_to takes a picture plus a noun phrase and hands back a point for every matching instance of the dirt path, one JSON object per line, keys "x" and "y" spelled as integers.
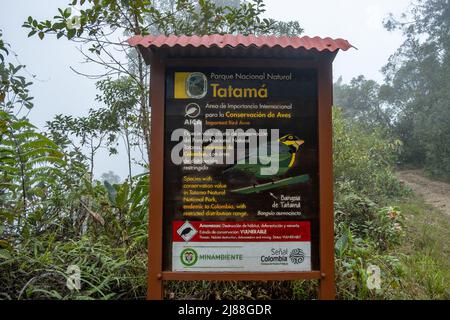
{"x": 435, "y": 193}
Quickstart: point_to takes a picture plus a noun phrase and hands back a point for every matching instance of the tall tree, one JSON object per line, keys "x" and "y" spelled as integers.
{"x": 362, "y": 100}
{"x": 121, "y": 97}
{"x": 418, "y": 75}
{"x": 85, "y": 135}
{"x": 29, "y": 161}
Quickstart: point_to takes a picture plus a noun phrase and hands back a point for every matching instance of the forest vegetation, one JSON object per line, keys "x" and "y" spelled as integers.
{"x": 54, "y": 213}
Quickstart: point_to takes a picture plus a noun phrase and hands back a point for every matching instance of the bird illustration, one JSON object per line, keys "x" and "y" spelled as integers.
{"x": 186, "y": 231}
{"x": 288, "y": 148}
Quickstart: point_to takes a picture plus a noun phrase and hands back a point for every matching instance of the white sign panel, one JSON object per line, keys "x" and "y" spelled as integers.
{"x": 241, "y": 256}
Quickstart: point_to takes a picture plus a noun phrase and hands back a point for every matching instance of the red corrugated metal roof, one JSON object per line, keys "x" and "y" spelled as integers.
{"x": 232, "y": 41}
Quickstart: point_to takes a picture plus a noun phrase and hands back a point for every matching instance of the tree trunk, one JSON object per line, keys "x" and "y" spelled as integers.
{"x": 127, "y": 139}
{"x": 145, "y": 114}
{"x": 91, "y": 158}
{"x": 145, "y": 109}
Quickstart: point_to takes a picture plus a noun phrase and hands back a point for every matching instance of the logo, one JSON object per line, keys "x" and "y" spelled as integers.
{"x": 373, "y": 281}
{"x": 297, "y": 256}
{"x": 188, "y": 257}
{"x": 73, "y": 281}
{"x": 192, "y": 110}
{"x": 278, "y": 256}
{"x": 187, "y": 231}
{"x": 190, "y": 85}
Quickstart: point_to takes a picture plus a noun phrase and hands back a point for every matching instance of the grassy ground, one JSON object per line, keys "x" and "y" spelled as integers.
{"x": 425, "y": 252}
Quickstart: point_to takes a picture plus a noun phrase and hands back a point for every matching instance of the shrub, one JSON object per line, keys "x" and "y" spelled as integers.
{"x": 38, "y": 270}
{"x": 364, "y": 160}
{"x": 354, "y": 256}
{"x": 364, "y": 230}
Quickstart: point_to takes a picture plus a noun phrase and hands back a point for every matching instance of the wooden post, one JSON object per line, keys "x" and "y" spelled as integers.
{"x": 155, "y": 214}
{"x": 326, "y": 246}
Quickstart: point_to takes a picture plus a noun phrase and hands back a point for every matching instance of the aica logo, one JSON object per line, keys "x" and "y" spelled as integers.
{"x": 297, "y": 256}
{"x": 189, "y": 257}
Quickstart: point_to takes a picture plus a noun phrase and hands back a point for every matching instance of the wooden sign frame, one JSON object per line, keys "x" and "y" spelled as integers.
{"x": 322, "y": 62}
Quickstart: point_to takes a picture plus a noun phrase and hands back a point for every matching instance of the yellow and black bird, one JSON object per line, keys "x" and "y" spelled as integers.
{"x": 288, "y": 148}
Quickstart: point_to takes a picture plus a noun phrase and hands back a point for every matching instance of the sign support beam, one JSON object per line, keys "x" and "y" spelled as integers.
{"x": 326, "y": 244}
{"x": 155, "y": 222}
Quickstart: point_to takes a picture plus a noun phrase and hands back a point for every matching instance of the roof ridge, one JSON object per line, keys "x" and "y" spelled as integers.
{"x": 234, "y": 40}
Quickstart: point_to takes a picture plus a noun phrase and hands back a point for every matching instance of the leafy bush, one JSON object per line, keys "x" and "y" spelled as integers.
{"x": 108, "y": 246}
{"x": 38, "y": 270}
{"x": 364, "y": 160}
{"x": 354, "y": 255}
{"x": 365, "y": 230}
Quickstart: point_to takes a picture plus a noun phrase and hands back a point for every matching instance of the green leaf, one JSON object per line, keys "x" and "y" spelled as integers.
{"x": 59, "y": 25}
{"x": 71, "y": 33}
{"x": 41, "y": 35}
{"x": 5, "y": 255}
{"x": 67, "y": 13}
{"x": 341, "y": 245}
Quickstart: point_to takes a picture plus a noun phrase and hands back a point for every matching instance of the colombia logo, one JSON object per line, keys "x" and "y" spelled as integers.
{"x": 297, "y": 256}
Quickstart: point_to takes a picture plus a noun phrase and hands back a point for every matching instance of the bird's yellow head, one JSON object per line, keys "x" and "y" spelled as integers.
{"x": 292, "y": 140}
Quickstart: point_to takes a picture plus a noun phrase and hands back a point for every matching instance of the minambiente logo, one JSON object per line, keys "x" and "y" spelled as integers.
{"x": 188, "y": 257}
